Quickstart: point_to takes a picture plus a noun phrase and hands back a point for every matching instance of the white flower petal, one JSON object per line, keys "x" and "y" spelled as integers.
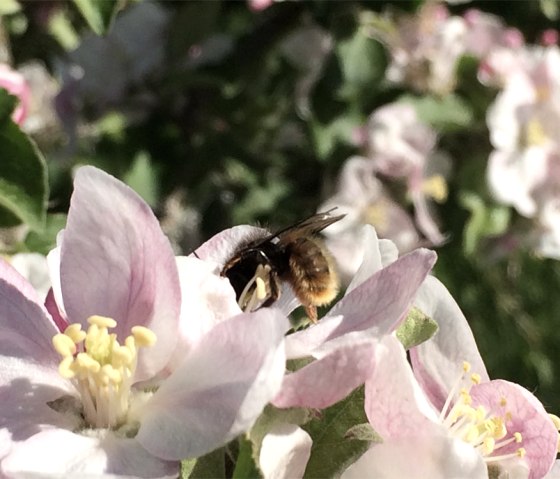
{"x": 219, "y": 390}
{"x": 285, "y": 451}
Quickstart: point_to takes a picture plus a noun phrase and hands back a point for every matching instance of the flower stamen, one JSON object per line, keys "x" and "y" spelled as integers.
{"x": 483, "y": 429}
{"x": 101, "y": 368}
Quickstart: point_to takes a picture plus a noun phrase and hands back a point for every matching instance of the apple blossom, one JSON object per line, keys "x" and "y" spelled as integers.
{"x": 15, "y": 84}
{"x": 401, "y": 146}
{"x": 344, "y": 340}
{"x": 524, "y": 122}
{"x": 445, "y": 418}
{"x": 362, "y": 197}
{"x": 108, "y": 394}
{"x": 424, "y": 48}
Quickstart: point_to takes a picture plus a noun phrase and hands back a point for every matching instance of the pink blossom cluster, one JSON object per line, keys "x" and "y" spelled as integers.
{"x": 399, "y": 149}
{"x": 160, "y": 364}
{"x": 523, "y": 123}
{"x": 425, "y": 47}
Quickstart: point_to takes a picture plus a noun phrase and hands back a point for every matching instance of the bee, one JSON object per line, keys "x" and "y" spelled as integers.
{"x": 293, "y": 255}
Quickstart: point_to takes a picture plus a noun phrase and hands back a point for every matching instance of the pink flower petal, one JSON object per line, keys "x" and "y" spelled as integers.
{"x": 52, "y": 308}
{"x": 116, "y": 262}
{"x": 223, "y": 246}
{"x": 528, "y": 417}
{"x": 64, "y": 454}
{"x": 221, "y": 387}
{"x": 378, "y": 304}
{"x": 438, "y": 362}
{"x": 395, "y": 405}
{"x": 371, "y": 262}
{"x": 285, "y": 451}
{"x": 207, "y": 299}
{"x": 25, "y": 389}
{"x": 26, "y": 330}
{"x": 328, "y": 380}
{"x": 15, "y": 84}
{"x": 440, "y": 457}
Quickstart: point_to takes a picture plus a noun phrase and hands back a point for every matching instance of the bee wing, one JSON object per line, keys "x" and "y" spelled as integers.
{"x": 309, "y": 226}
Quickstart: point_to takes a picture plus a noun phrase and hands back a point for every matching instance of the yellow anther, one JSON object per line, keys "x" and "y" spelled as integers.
{"x": 465, "y": 396}
{"x": 86, "y": 362}
{"x": 508, "y": 416}
{"x": 260, "y": 289}
{"x": 480, "y": 413}
{"x": 121, "y": 355}
{"x": 503, "y": 401}
{"x": 93, "y": 333}
{"x": 436, "y": 187}
{"x": 488, "y": 445}
{"x": 102, "y": 322}
{"x": 517, "y": 436}
{"x": 143, "y": 336}
{"x": 377, "y": 215}
{"x": 521, "y": 452}
{"x": 475, "y": 378}
{"x": 111, "y": 374}
{"x": 466, "y": 366}
{"x": 555, "y": 420}
{"x": 535, "y": 133}
{"x": 75, "y": 333}
{"x": 489, "y": 426}
{"x": 500, "y": 430}
{"x": 63, "y": 345}
{"x": 130, "y": 343}
{"x": 472, "y": 434}
{"x": 65, "y": 368}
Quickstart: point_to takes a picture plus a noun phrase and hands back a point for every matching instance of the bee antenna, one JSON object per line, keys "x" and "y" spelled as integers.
{"x": 328, "y": 212}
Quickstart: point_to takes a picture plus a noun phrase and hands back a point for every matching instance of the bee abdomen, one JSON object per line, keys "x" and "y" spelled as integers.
{"x": 311, "y": 272}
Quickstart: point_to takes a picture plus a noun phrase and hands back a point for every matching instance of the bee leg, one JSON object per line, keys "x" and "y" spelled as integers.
{"x": 311, "y": 311}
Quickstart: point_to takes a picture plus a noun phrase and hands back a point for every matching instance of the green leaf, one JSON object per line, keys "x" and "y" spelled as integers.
{"x": 142, "y": 178}
{"x": 363, "y": 62}
{"x": 327, "y": 136}
{"x": 332, "y": 452}
{"x": 210, "y": 466}
{"x": 8, "y": 7}
{"x": 99, "y": 14}
{"x": 23, "y": 176}
{"x": 61, "y": 28}
{"x": 245, "y": 466}
{"x": 417, "y": 328}
{"x": 551, "y": 9}
{"x": 485, "y": 220}
{"x": 8, "y": 103}
{"x": 363, "y": 432}
{"x": 446, "y": 113}
{"x": 44, "y": 240}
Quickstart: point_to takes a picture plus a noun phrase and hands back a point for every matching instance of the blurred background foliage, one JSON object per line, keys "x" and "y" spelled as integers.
{"x": 220, "y": 114}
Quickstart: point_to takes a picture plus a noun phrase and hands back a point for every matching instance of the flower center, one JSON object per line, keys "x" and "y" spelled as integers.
{"x": 376, "y": 215}
{"x": 484, "y": 431}
{"x": 535, "y": 134}
{"x": 101, "y": 369}
{"x": 435, "y": 187}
